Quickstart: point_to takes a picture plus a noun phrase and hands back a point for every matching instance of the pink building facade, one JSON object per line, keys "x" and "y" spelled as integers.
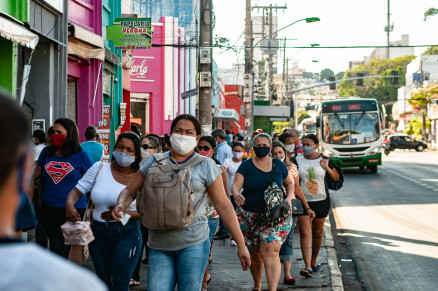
{"x": 86, "y": 54}
{"x": 159, "y": 76}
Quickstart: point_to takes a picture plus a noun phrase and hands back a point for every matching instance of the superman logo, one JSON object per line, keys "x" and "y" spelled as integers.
{"x": 58, "y": 170}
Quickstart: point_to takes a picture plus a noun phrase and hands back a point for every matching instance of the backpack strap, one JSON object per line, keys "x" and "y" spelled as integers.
{"x": 293, "y": 159}
{"x": 272, "y": 171}
{"x": 193, "y": 161}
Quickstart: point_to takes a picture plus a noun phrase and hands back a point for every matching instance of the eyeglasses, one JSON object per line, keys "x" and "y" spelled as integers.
{"x": 205, "y": 148}
{"x": 147, "y": 147}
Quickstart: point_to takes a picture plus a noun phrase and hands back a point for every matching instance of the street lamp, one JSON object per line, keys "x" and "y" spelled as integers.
{"x": 308, "y": 20}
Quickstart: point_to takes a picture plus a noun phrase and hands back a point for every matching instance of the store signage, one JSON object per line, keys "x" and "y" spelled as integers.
{"x": 130, "y": 33}
{"x": 122, "y": 114}
{"x": 139, "y": 69}
{"x": 104, "y": 132}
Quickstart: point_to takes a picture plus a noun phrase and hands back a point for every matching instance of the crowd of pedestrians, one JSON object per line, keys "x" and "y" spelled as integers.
{"x": 133, "y": 205}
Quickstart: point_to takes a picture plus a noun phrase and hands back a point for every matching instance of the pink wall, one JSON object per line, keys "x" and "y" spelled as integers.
{"x": 147, "y": 76}
{"x": 153, "y": 68}
{"x": 87, "y": 14}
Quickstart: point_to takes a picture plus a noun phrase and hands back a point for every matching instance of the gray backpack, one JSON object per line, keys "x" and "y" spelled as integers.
{"x": 167, "y": 199}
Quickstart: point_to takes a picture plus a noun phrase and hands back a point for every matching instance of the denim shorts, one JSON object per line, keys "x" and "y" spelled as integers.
{"x": 287, "y": 249}
{"x": 265, "y": 234}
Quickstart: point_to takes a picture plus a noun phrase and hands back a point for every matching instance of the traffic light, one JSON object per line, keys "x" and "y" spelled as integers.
{"x": 359, "y": 82}
{"x": 332, "y": 85}
{"x": 394, "y": 77}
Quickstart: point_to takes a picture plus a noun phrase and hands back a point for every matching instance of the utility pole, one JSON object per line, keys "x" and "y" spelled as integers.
{"x": 204, "y": 64}
{"x": 388, "y": 30}
{"x": 248, "y": 95}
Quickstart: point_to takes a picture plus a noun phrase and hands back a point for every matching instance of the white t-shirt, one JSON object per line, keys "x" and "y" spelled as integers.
{"x": 106, "y": 190}
{"x": 25, "y": 266}
{"x": 37, "y": 151}
{"x": 231, "y": 171}
{"x": 312, "y": 178}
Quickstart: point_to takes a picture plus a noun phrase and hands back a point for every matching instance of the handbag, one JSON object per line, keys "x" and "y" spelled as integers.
{"x": 275, "y": 210}
{"x": 297, "y": 207}
{"x": 334, "y": 185}
{"x": 79, "y": 234}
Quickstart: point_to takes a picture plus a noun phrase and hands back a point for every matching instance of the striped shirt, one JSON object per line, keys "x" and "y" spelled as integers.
{"x": 293, "y": 172}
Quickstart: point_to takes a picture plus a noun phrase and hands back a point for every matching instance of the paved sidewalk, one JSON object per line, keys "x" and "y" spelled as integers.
{"x": 227, "y": 274}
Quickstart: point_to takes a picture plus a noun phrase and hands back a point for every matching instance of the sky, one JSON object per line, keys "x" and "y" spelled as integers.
{"x": 343, "y": 23}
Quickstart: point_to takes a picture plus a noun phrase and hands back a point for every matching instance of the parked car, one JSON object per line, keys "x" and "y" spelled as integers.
{"x": 402, "y": 141}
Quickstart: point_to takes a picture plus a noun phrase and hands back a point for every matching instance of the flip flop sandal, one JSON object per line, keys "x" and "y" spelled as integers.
{"x": 316, "y": 268}
{"x": 306, "y": 273}
{"x": 133, "y": 283}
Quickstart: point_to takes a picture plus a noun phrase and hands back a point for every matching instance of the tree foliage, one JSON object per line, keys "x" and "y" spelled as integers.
{"x": 326, "y": 73}
{"x": 424, "y": 95}
{"x": 429, "y": 13}
{"x": 340, "y": 75}
{"x": 415, "y": 127}
{"x": 432, "y": 50}
{"x": 302, "y": 114}
{"x": 380, "y": 89}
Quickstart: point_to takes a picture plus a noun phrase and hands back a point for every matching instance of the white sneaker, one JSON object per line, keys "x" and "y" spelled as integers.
{"x": 233, "y": 243}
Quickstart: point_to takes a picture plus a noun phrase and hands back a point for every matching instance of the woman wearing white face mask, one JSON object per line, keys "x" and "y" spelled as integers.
{"x": 116, "y": 247}
{"x": 149, "y": 145}
{"x": 304, "y": 221}
{"x": 179, "y": 256}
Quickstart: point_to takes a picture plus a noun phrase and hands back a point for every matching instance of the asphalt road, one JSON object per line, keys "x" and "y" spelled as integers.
{"x": 389, "y": 223}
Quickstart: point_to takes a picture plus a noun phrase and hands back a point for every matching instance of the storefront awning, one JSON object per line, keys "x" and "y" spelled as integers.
{"x": 227, "y": 115}
{"x": 84, "y": 43}
{"x": 112, "y": 57}
{"x": 17, "y": 33}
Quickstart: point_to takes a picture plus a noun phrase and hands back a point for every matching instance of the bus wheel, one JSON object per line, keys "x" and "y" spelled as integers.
{"x": 373, "y": 169}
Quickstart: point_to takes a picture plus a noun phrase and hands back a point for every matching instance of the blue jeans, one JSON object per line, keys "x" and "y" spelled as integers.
{"x": 287, "y": 249}
{"x": 115, "y": 251}
{"x": 212, "y": 226}
{"x": 184, "y": 268}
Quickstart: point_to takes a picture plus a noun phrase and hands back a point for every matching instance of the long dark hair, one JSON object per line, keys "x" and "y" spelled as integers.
{"x": 137, "y": 144}
{"x": 71, "y": 144}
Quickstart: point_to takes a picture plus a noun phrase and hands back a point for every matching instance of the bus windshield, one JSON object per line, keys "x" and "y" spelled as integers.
{"x": 309, "y": 128}
{"x": 355, "y": 128}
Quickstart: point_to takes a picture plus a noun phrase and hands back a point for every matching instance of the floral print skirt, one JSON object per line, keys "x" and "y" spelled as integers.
{"x": 264, "y": 234}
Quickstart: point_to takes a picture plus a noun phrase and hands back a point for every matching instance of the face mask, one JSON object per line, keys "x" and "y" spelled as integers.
{"x": 182, "y": 144}
{"x": 290, "y": 148}
{"x": 282, "y": 159}
{"x": 237, "y": 155}
{"x": 308, "y": 151}
{"x": 261, "y": 152}
{"x": 207, "y": 154}
{"x": 145, "y": 153}
{"x": 122, "y": 159}
{"x": 58, "y": 139}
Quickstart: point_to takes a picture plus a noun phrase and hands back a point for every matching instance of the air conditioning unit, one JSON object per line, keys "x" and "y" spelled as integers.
{"x": 204, "y": 79}
{"x": 205, "y": 56}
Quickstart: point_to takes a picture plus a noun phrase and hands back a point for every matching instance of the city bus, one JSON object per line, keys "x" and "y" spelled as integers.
{"x": 350, "y": 132}
{"x": 309, "y": 126}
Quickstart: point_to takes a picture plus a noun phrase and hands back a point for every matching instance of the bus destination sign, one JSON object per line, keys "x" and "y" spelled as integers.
{"x": 349, "y": 106}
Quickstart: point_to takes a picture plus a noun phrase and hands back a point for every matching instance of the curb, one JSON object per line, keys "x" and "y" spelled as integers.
{"x": 332, "y": 258}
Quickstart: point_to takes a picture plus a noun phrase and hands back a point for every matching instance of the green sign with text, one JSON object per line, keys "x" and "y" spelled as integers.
{"x": 130, "y": 33}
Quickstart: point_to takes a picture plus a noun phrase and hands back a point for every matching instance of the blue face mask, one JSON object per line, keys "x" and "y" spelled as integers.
{"x": 261, "y": 152}
{"x": 122, "y": 159}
